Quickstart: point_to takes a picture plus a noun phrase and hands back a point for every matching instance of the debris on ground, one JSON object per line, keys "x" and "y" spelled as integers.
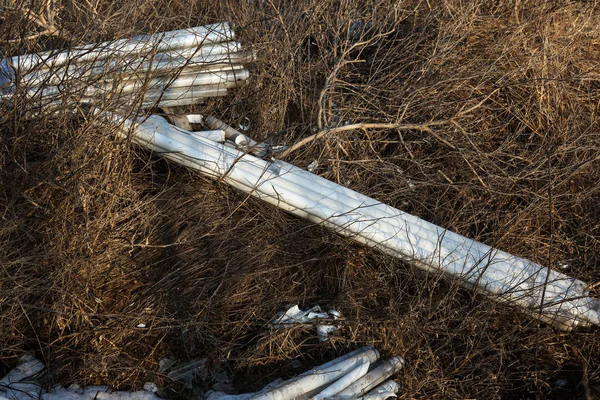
{"x": 294, "y": 316}
{"x": 356, "y": 375}
{"x": 189, "y": 371}
{"x": 24, "y": 383}
{"x": 359, "y": 374}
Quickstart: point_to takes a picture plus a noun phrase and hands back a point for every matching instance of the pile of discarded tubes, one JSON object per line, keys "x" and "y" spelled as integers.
{"x": 357, "y": 375}
{"x": 26, "y": 382}
{"x": 166, "y": 69}
{"x": 231, "y": 156}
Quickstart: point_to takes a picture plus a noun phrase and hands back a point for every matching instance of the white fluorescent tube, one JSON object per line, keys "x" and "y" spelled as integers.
{"x": 343, "y": 382}
{"x": 230, "y": 78}
{"x": 215, "y": 135}
{"x": 190, "y": 98}
{"x": 167, "y": 98}
{"x": 345, "y": 357}
{"x": 185, "y": 80}
{"x": 371, "y": 379}
{"x": 184, "y": 92}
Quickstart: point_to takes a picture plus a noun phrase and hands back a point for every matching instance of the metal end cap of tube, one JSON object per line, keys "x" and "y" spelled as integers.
{"x": 371, "y": 353}
{"x": 375, "y": 354}
{"x": 398, "y": 362}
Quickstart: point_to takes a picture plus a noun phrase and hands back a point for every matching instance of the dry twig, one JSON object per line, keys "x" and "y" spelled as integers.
{"x": 425, "y": 127}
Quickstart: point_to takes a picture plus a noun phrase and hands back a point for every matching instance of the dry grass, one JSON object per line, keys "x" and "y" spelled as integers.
{"x": 98, "y": 236}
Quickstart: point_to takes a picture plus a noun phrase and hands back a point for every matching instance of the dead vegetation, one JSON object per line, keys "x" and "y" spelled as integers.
{"x": 98, "y": 236}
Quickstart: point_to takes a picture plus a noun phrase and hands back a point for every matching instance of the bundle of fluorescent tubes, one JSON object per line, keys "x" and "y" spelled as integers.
{"x": 166, "y": 69}
{"x": 545, "y": 293}
{"x": 356, "y": 375}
